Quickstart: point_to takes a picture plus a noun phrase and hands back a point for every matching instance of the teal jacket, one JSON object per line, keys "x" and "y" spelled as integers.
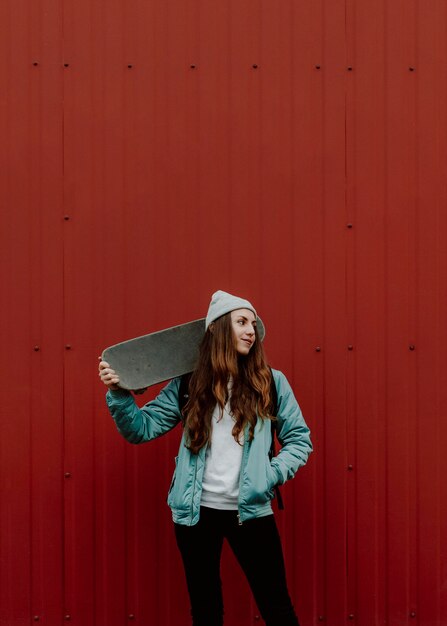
{"x": 258, "y": 475}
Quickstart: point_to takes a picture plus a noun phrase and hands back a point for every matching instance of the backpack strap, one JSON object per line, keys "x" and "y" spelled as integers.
{"x": 183, "y": 393}
{"x": 272, "y": 451}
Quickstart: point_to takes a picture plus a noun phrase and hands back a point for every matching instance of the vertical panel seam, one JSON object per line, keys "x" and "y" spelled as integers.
{"x": 64, "y": 483}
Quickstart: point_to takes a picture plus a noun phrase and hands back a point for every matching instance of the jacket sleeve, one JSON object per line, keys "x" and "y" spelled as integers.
{"x": 154, "y": 419}
{"x": 292, "y": 432}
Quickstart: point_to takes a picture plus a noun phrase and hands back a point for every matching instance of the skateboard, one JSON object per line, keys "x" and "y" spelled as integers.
{"x": 157, "y": 357}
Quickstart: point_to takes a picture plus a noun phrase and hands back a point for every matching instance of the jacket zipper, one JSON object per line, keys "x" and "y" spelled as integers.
{"x": 202, "y": 452}
{"x": 193, "y": 488}
{"x": 244, "y": 453}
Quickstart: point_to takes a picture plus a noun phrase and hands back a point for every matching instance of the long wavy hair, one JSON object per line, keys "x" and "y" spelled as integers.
{"x": 218, "y": 364}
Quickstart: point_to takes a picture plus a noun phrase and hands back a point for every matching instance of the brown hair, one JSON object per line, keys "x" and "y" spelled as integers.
{"x": 218, "y": 362}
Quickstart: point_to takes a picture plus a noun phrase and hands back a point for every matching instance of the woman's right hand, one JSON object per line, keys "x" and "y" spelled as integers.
{"x": 107, "y": 375}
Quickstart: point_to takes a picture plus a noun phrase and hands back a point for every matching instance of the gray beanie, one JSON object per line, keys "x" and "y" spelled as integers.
{"x": 223, "y": 302}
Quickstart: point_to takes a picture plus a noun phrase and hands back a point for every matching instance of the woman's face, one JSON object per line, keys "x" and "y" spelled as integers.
{"x": 243, "y": 322}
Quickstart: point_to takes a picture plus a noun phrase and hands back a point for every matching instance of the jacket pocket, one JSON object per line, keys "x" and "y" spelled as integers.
{"x": 259, "y": 482}
{"x": 173, "y": 476}
{"x": 180, "y": 491}
{"x": 271, "y": 480}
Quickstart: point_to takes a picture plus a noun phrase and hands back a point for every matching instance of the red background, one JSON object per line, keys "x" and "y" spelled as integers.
{"x": 313, "y": 184}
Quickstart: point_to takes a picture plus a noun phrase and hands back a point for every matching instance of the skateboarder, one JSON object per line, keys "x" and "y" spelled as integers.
{"x": 224, "y": 480}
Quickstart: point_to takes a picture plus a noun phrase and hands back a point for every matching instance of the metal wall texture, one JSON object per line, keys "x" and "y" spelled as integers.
{"x": 293, "y": 152}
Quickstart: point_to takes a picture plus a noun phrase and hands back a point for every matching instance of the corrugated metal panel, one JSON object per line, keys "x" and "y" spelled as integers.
{"x": 31, "y": 556}
{"x": 293, "y": 152}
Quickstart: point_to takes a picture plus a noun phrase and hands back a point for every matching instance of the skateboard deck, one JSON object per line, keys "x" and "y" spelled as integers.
{"x": 157, "y": 357}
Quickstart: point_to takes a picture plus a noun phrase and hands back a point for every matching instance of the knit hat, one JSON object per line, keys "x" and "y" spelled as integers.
{"x": 223, "y": 302}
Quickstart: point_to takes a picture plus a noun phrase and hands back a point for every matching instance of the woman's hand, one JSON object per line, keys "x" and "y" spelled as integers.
{"x": 107, "y": 375}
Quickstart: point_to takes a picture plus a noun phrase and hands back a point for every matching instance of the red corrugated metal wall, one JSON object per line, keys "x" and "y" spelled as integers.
{"x": 290, "y": 151}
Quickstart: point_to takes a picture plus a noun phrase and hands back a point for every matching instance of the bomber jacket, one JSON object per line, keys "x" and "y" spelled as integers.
{"x": 258, "y": 476}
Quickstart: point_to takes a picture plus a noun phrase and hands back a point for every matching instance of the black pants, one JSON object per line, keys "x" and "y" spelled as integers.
{"x": 257, "y": 547}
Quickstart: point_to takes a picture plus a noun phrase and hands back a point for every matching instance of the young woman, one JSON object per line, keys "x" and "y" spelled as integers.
{"x": 224, "y": 479}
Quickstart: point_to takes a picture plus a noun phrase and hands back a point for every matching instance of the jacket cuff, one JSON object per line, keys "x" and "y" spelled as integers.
{"x": 280, "y": 478}
{"x": 117, "y": 394}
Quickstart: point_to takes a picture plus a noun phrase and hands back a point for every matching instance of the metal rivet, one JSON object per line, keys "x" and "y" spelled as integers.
{"x": 413, "y": 614}
{"x": 130, "y": 66}
{"x": 349, "y": 225}
{"x": 67, "y": 618}
{"x": 412, "y": 347}
{"x": 350, "y": 468}
{"x": 255, "y": 67}
{"x": 350, "y": 68}
{"x": 35, "y": 63}
{"x": 411, "y": 69}
{"x": 318, "y": 349}
{"x": 131, "y": 616}
{"x": 36, "y": 348}
{"x": 350, "y": 347}
{"x": 66, "y": 65}
{"x": 351, "y": 616}
{"x": 67, "y": 475}
{"x": 192, "y": 66}
{"x": 318, "y": 67}
{"x": 68, "y": 346}
{"x": 66, "y": 218}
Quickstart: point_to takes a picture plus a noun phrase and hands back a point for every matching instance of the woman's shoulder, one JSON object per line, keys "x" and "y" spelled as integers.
{"x": 281, "y": 382}
{"x": 278, "y": 376}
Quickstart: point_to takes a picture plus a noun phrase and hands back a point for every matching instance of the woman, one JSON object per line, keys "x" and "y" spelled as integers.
{"x": 224, "y": 479}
